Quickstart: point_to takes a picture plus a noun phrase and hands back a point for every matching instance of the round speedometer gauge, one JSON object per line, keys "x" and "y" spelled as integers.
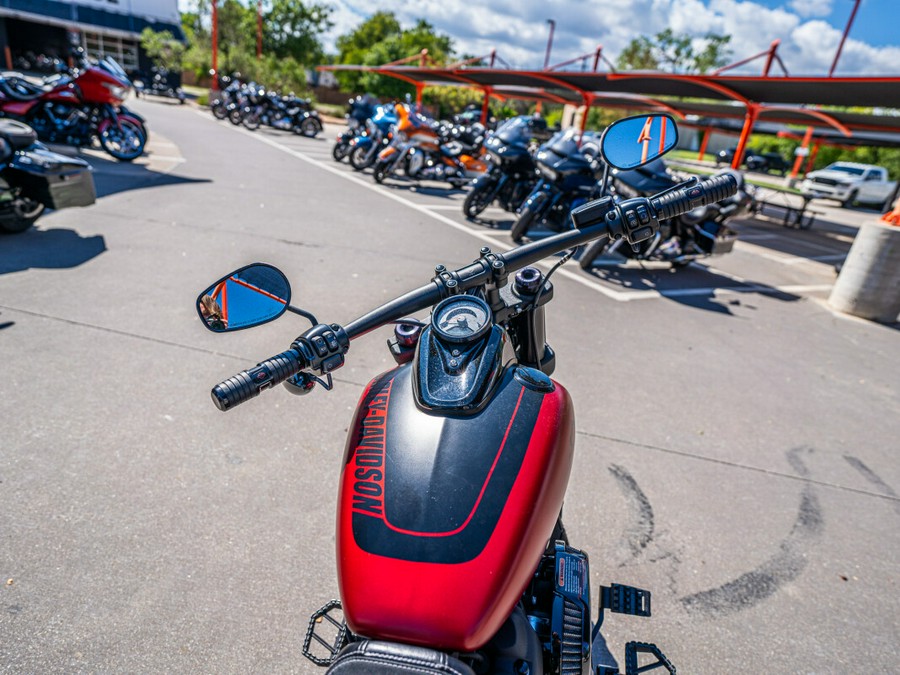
{"x": 461, "y": 319}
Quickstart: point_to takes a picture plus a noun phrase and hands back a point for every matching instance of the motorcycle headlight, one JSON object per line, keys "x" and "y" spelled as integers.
{"x": 548, "y": 172}
{"x": 116, "y": 91}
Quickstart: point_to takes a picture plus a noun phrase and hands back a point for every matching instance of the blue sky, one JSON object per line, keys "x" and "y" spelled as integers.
{"x": 809, "y": 30}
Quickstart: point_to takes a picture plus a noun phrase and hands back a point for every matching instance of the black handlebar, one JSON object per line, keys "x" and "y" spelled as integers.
{"x": 322, "y": 347}
{"x": 249, "y": 383}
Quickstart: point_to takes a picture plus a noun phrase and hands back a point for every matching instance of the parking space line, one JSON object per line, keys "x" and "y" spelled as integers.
{"x": 489, "y": 237}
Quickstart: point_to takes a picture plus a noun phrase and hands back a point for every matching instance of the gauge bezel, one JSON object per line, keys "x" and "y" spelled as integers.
{"x": 443, "y": 307}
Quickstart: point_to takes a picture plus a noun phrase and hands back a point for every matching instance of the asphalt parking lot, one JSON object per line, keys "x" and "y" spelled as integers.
{"x": 736, "y": 440}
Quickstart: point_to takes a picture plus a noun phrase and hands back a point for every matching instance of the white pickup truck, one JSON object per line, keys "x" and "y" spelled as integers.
{"x": 849, "y": 182}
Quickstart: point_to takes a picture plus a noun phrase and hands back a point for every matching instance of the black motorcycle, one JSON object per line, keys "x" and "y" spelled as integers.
{"x": 32, "y": 178}
{"x": 699, "y": 233}
{"x": 513, "y": 173}
{"x": 570, "y": 168}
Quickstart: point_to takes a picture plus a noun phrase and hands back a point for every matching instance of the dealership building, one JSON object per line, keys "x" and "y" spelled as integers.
{"x": 34, "y": 32}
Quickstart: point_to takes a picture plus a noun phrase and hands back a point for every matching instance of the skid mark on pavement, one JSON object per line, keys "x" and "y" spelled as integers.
{"x": 785, "y": 566}
{"x": 640, "y": 526}
{"x": 874, "y": 479}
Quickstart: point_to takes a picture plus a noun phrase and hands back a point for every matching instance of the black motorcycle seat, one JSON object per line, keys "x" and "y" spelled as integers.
{"x": 18, "y": 135}
{"x": 370, "y": 657}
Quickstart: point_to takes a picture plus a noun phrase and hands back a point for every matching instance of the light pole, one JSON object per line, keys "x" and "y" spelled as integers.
{"x": 843, "y": 39}
{"x": 259, "y": 29}
{"x": 549, "y": 43}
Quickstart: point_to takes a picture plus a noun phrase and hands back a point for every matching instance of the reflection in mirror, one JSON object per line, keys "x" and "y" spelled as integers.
{"x": 247, "y": 297}
{"x": 634, "y": 141}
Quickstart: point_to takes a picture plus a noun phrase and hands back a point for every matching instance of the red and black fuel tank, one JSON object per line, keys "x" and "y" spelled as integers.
{"x": 442, "y": 518}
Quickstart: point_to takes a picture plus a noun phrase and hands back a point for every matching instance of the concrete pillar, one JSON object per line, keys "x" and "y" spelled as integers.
{"x": 869, "y": 283}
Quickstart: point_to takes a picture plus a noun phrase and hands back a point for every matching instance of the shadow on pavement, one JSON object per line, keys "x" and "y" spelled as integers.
{"x": 693, "y": 286}
{"x": 112, "y": 177}
{"x": 47, "y": 249}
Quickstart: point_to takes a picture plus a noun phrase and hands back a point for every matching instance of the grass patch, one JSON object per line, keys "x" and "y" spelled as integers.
{"x": 709, "y": 171}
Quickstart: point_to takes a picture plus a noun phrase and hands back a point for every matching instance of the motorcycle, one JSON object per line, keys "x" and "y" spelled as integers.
{"x": 359, "y": 109}
{"x": 32, "y": 179}
{"x": 378, "y": 132}
{"x": 569, "y": 166}
{"x": 512, "y": 174}
{"x": 77, "y": 108}
{"x": 287, "y": 113}
{"x": 452, "y": 555}
{"x": 161, "y": 82}
{"x": 699, "y": 233}
{"x": 418, "y": 153}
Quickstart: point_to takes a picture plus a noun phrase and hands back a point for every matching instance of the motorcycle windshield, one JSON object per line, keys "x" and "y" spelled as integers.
{"x": 517, "y": 131}
{"x": 111, "y": 66}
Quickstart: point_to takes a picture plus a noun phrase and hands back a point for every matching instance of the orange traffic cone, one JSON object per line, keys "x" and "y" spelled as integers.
{"x": 892, "y": 217}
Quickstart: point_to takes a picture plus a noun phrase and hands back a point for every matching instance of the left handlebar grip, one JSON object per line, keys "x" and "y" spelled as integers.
{"x": 249, "y": 383}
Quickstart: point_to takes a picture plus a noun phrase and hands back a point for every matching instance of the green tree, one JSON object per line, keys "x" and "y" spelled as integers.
{"x": 380, "y": 40}
{"x": 675, "y": 53}
{"x": 292, "y": 28}
{"x": 163, "y": 49}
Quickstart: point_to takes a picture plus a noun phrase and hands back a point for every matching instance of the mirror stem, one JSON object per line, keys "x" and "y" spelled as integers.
{"x": 302, "y": 313}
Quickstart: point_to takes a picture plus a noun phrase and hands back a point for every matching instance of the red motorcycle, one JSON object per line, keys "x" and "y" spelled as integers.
{"x": 76, "y": 108}
{"x": 452, "y": 555}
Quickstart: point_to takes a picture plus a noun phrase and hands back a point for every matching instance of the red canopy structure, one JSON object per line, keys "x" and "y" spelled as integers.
{"x": 785, "y": 99}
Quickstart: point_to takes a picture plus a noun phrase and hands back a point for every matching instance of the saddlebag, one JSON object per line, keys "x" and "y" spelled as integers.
{"x": 370, "y": 657}
{"x": 713, "y": 238}
{"x": 56, "y": 181}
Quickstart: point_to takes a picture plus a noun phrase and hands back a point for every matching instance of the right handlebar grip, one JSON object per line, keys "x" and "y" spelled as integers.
{"x": 249, "y": 383}
{"x": 680, "y": 201}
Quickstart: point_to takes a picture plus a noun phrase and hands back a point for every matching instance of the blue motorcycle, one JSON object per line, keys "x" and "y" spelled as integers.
{"x": 366, "y": 145}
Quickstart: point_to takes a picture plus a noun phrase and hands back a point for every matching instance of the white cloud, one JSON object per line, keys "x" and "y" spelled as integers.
{"x": 518, "y": 29}
{"x": 809, "y": 8}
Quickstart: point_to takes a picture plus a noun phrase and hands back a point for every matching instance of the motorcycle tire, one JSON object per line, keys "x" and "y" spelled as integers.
{"x": 360, "y": 158}
{"x": 124, "y": 149}
{"x": 339, "y": 151}
{"x": 523, "y": 224}
{"x": 250, "y": 122}
{"x": 235, "y": 117}
{"x": 379, "y": 173}
{"x": 591, "y": 252}
{"x": 220, "y": 112}
{"x": 309, "y": 128}
{"x": 22, "y": 218}
{"x": 478, "y": 199}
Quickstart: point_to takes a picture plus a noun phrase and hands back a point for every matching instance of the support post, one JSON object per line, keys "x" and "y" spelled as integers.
{"x": 843, "y": 39}
{"x": 258, "y": 29}
{"x": 772, "y": 49}
{"x": 419, "y": 87}
{"x": 807, "y": 137}
{"x": 749, "y": 122}
{"x": 8, "y": 53}
{"x": 215, "y": 43}
{"x": 703, "y": 143}
{"x": 485, "y": 106}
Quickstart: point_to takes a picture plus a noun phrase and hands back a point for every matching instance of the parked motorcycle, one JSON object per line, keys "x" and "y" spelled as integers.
{"x": 512, "y": 174}
{"x": 160, "y": 82}
{"x": 359, "y": 109}
{"x": 570, "y": 169}
{"x": 32, "y": 178}
{"x": 699, "y": 233}
{"x": 452, "y": 556}
{"x": 373, "y": 137}
{"x": 418, "y": 153}
{"x": 78, "y": 108}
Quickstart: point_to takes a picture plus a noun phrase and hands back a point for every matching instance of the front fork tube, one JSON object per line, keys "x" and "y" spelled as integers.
{"x": 111, "y": 111}
{"x": 531, "y": 333}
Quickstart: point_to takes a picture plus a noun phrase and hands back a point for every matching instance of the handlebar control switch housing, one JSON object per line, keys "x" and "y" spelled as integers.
{"x": 323, "y": 347}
